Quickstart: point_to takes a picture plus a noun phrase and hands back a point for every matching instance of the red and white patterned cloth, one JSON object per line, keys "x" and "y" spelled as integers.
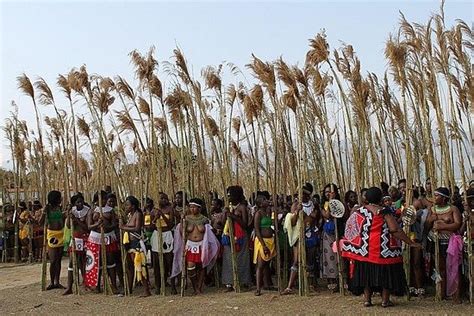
{"x": 92, "y": 264}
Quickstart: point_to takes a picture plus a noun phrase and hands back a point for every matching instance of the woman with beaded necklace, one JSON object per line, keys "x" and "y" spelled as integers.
{"x": 201, "y": 245}
{"x": 239, "y": 216}
{"x": 446, "y": 220}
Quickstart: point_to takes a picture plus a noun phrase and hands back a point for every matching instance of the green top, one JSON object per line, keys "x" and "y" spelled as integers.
{"x": 55, "y": 216}
{"x": 398, "y": 204}
{"x": 266, "y": 222}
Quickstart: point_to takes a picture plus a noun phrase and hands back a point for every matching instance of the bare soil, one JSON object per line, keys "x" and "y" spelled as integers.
{"x": 20, "y": 293}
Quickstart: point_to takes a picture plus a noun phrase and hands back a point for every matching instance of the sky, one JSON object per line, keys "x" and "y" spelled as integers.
{"x": 49, "y": 38}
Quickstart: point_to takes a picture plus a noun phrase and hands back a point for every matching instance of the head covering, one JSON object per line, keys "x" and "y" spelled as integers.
{"x": 308, "y": 188}
{"x": 196, "y": 202}
{"x": 470, "y": 193}
{"x": 444, "y": 192}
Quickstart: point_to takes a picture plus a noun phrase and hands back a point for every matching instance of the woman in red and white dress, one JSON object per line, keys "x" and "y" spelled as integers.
{"x": 371, "y": 242}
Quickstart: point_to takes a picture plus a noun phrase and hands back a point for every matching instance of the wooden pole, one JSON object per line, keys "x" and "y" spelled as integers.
{"x": 285, "y": 258}
{"x": 469, "y": 256}
{"x": 75, "y": 270}
{"x": 301, "y": 258}
{"x": 123, "y": 252}
{"x": 30, "y": 241}
{"x": 183, "y": 255}
{"x": 103, "y": 247}
{"x": 44, "y": 263}
{"x": 160, "y": 259}
{"x": 406, "y": 257}
{"x": 438, "y": 295}
{"x": 235, "y": 272}
{"x": 277, "y": 244}
{"x": 303, "y": 286}
{"x": 340, "y": 262}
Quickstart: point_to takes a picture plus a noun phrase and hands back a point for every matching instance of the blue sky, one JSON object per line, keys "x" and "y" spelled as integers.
{"x": 48, "y": 38}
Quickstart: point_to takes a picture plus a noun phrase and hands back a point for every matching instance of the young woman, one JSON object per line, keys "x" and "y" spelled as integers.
{"x": 117, "y": 255}
{"x": 368, "y": 241}
{"x": 217, "y": 217}
{"x": 180, "y": 205}
{"x": 201, "y": 246}
{"x": 416, "y": 254}
{"x": 350, "y": 200}
{"x": 101, "y": 217}
{"x": 54, "y": 217}
{"x": 136, "y": 247}
{"x": 239, "y": 216}
{"x": 264, "y": 247}
{"x": 148, "y": 225}
{"x": 291, "y": 226}
{"x": 78, "y": 216}
{"x": 163, "y": 217}
{"x": 25, "y": 230}
{"x": 329, "y": 257}
{"x": 38, "y": 232}
{"x": 446, "y": 220}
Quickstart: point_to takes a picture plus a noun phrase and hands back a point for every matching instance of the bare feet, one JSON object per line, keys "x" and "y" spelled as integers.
{"x": 287, "y": 291}
{"x": 68, "y": 292}
{"x": 114, "y": 290}
{"x": 50, "y": 287}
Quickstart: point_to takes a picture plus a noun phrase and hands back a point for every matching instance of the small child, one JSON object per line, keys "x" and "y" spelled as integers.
{"x": 387, "y": 202}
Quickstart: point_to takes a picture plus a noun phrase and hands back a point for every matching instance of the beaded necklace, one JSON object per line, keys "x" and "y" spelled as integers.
{"x": 198, "y": 220}
{"x": 442, "y": 210}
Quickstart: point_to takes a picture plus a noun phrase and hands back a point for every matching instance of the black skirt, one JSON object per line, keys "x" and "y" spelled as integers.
{"x": 377, "y": 277}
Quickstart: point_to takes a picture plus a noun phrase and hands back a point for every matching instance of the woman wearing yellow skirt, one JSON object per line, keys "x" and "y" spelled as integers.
{"x": 54, "y": 216}
{"x": 264, "y": 247}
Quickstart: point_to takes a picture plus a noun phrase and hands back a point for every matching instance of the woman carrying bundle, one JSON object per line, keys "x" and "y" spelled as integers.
{"x": 133, "y": 240}
{"x": 264, "y": 247}
{"x": 54, "y": 217}
{"x": 78, "y": 216}
{"x": 369, "y": 241}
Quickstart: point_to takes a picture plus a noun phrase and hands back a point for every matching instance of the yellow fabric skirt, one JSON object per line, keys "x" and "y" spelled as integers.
{"x": 258, "y": 249}
{"x": 55, "y": 238}
{"x": 23, "y": 234}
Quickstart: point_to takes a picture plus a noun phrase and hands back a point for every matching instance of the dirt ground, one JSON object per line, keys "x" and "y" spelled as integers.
{"x": 20, "y": 293}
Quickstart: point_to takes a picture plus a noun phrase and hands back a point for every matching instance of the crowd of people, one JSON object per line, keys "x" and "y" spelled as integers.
{"x": 183, "y": 240}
